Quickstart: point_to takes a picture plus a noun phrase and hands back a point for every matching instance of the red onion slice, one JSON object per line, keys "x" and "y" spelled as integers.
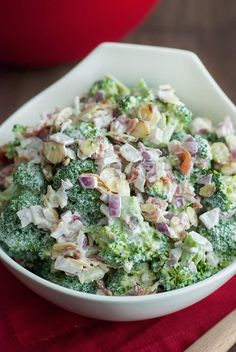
{"x": 205, "y": 180}
{"x": 191, "y": 145}
{"x": 179, "y": 202}
{"x": 114, "y": 205}
{"x": 163, "y": 228}
{"x": 87, "y": 181}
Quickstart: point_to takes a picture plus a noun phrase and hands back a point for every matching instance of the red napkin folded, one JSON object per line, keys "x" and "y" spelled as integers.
{"x": 31, "y": 324}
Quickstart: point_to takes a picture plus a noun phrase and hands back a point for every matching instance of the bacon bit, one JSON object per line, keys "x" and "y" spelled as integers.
{"x": 134, "y": 175}
{"x": 166, "y": 181}
{"x": 151, "y": 212}
{"x": 136, "y": 291}
{"x": 4, "y": 173}
{"x": 131, "y": 124}
{"x": 185, "y": 159}
{"x": 3, "y": 155}
{"x": 101, "y": 287}
{"x": 41, "y": 132}
{"x": 197, "y": 204}
{"x": 106, "y": 102}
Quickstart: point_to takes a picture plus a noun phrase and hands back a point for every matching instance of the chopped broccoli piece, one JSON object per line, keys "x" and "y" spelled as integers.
{"x": 59, "y": 278}
{"x": 175, "y": 118}
{"x": 141, "y": 89}
{"x": 86, "y": 202}
{"x": 172, "y": 277}
{"x": 140, "y": 94}
{"x": 223, "y": 239}
{"x": 72, "y": 171}
{"x": 179, "y": 136}
{"x": 11, "y": 148}
{"x": 204, "y": 149}
{"x": 184, "y": 116}
{"x": 129, "y": 104}
{"x": 18, "y": 128}
{"x": 123, "y": 283}
{"x": 27, "y": 244}
{"x": 82, "y": 129}
{"x": 28, "y": 175}
{"x": 225, "y": 194}
{"x": 159, "y": 190}
{"x": 111, "y": 87}
{"x": 8, "y": 194}
{"x": 129, "y": 238}
{"x": 25, "y": 198}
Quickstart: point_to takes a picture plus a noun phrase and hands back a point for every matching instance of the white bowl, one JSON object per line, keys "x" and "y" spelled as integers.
{"x": 194, "y": 85}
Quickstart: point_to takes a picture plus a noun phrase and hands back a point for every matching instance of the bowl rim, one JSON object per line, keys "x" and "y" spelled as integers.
{"x": 230, "y": 269}
{"x": 5, "y": 258}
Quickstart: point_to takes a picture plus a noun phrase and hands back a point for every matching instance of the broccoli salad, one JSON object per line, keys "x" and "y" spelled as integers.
{"x": 121, "y": 193}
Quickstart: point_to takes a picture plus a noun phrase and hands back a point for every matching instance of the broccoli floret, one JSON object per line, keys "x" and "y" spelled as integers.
{"x": 28, "y": 175}
{"x": 27, "y": 244}
{"x": 225, "y": 195}
{"x": 159, "y": 190}
{"x": 213, "y": 138}
{"x": 204, "y": 149}
{"x": 141, "y": 89}
{"x": 8, "y": 194}
{"x": 11, "y": 148}
{"x": 184, "y": 116}
{"x": 179, "y": 177}
{"x": 110, "y": 86}
{"x": 223, "y": 239}
{"x": 86, "y": 202}
{"x": 82, "y": 129}
{"x": 175, "y": 118}
{"x": 177, "y": 277}
{"x": 24, "y": 199}
{"x": 140, "y": 94}
{"x": 45, "y": 271}
{"x": 128, "y": 238}
{"x": 72, "y": 171}
{"x": 117, "y": 247}
{"x": 123, "y": 283}
{"x": 179, "y": 136}
{"x": 129, "y": 104}
{"x": 18, "y": 128}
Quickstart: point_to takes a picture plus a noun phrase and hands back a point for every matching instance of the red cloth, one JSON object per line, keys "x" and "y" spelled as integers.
{"x": 54, "y": 31}
{"x": 31, "y": 324}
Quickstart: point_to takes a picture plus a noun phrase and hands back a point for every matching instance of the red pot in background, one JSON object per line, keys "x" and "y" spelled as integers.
{"x": 45, "y": 32}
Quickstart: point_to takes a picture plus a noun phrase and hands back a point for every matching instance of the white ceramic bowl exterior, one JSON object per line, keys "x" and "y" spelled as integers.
{"x": 194, "y": 85}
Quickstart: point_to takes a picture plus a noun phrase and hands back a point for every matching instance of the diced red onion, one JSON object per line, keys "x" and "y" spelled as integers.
{"x": 179, "y": 202}
{"x": 100, "y": 95}
{"x": 163, "y": 228}
{"x": 76, "y": 218}
{"x": 233, "y": 153}
{"x": 174, "y": 256}
{"x": 148, "y": 164}
{"x": 114, "y": 204}
{"x": 88, "y": 181}
{"x": 205, "y": 180}
{"x": 151, "y": 175}
{"x": 191, "y": 145}
{"x": 169, "y": 215}
{"x": 146, "y": 155}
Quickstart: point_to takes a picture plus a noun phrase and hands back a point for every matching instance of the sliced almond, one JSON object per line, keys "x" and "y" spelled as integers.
{"x": 228, "y": 169}
{"x": 220, "y": 153}
{"x": 207, "y": 190}
{"x": 192, "y": 215}
{"x": 54, "y": 152}
{"x": 141, "y": 130}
